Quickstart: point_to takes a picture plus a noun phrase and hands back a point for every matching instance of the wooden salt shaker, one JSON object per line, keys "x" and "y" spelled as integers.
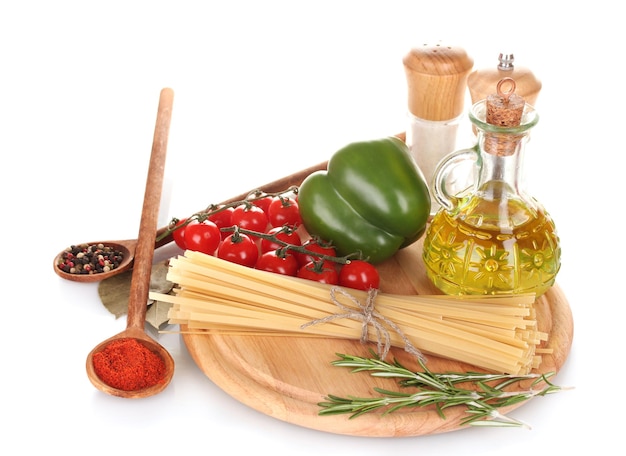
{"x": 437, "y": 81}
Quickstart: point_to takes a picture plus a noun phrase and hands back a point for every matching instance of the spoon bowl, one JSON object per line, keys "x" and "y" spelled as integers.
{"x": 126, "y": 248}
{"x": 140, "y": 336}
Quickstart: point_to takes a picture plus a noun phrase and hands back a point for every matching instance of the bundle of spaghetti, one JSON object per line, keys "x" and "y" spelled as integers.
{"x": 496, "y": 333}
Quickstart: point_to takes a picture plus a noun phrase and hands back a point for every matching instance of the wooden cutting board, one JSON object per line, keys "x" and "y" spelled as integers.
{"x": 285, "y": 377}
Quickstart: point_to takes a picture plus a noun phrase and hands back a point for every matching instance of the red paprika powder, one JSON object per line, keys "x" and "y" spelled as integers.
{"x": 128, "y": 365}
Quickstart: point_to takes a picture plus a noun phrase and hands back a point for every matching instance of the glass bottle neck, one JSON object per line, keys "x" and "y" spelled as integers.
{"x": 501, "y": 153}
{"x": 501, "y": 164}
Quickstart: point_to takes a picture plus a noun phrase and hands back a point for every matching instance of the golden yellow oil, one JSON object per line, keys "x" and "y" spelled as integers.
{"x": 492, "y": 246}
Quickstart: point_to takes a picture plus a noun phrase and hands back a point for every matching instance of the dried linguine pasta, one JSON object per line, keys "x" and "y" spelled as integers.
{"x": 496, "y": 333}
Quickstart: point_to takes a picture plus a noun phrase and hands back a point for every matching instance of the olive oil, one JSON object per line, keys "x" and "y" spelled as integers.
{"x": 492, "y": 246}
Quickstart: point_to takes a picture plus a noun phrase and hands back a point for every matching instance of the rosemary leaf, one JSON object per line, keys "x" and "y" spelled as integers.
{"x": 439, "y": 390}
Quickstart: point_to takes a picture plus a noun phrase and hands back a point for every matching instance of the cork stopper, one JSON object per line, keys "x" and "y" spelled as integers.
{"x": 503, "y": 109}
{"x": 437, "y": 80}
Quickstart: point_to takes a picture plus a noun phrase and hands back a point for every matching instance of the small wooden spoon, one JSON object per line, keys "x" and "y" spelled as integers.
{"x": 144, "y": 254}
{"x": 128, "y": 247}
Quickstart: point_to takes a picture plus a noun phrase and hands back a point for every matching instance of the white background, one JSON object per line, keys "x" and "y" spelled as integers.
{"x": 264, "y": 89}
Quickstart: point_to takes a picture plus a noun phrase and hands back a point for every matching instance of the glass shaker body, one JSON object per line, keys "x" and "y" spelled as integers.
{"x": 493, "y": 238}
{"x": 429, "y": 142}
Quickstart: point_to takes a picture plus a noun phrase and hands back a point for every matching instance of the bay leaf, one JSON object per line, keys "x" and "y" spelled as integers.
{"x": 114, "y": 292}
{"x": 158, "y": 280}
{"x": 156, "y": 314}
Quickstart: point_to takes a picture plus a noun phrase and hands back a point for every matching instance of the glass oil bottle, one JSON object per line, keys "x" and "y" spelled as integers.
{"x": 494, "y": 238}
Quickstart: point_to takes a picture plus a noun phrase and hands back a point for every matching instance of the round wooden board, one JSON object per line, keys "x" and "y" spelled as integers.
{"x": 285, "y": 377}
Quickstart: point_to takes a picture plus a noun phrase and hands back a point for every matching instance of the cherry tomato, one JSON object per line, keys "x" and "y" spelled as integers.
{"x": 179, "y": 233}
{"x": 284, "y": 211}
{"x": 315, "y": 246}
{"x": 282, "y": 234}
{"x": 203, "y": 237}
{"x": 239, "y": 248}
{"x": 223, "y": 220}
{"x": 320, "y": 271}
{"x": 264, "y": 203}
{"x": 250, "y": 218}
{"x": 272, "y": 261}
{"x": 359, "y": 275}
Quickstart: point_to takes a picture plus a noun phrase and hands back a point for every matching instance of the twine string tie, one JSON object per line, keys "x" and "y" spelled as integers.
{"x": 367, "y": 315}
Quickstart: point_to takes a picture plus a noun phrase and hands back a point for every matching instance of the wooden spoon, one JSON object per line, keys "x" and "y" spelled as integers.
{"x": 144, "y": 254}
{"x": 127, "y": 247}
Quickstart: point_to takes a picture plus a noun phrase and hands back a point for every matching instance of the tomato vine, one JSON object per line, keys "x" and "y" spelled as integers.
{"x": 227, "y": 230}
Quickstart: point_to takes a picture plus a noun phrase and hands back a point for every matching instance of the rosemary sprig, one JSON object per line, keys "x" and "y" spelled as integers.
{"x": 440, "y": 390}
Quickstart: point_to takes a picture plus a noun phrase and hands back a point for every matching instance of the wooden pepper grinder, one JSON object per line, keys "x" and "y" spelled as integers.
{"x": 437, "y": 81}
{"x": 481, "y": 82}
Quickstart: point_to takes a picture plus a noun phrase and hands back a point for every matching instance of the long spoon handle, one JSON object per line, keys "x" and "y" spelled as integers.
{"x": 144, "y": 253}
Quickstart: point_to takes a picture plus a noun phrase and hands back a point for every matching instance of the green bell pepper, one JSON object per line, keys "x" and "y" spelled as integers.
{"x": 372, "y": 198}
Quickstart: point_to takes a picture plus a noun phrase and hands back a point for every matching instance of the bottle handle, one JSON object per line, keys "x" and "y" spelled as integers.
{"x": 446, "y": 184}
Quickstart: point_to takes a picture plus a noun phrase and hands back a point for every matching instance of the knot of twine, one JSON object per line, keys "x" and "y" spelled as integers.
{"x": 368, "y": 316}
